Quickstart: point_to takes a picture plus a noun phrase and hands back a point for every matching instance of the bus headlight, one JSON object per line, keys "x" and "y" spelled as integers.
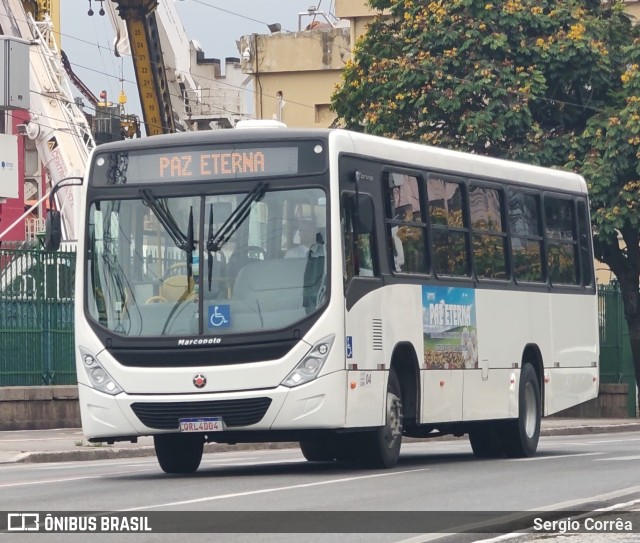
{"x": 99, "y": 377}
{"x": 309, "y": 367}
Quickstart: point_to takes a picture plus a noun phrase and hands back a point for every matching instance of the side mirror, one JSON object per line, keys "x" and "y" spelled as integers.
{"x": 53, "y": 232}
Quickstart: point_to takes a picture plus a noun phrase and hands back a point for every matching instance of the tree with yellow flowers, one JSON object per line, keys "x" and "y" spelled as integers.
{"x": 540, "y": 81}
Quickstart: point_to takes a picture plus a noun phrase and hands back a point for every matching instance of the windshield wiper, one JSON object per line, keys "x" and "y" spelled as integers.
{"x": 189, "y": 247}
{"x": 161, "y": 211}
{"x": 209, "y": 240}
{"x": 235, "y": 219}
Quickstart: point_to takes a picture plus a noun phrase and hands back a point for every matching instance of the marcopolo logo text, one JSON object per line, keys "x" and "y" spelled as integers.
{"x": 199, "y": 341}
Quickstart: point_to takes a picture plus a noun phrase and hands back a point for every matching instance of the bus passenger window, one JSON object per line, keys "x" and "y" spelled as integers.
{"x": 405, "y": 226}
{"x": 450, "y": 233}
{"x": 526, "y": 237}
{"x": 489, "y": 236}
{"x": 584, "y": 231}
{"x": 358, "y": 238}
{"x": 560, "y": 240}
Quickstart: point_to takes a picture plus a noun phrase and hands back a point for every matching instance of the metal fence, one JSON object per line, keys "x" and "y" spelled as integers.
{"x": 616, "y": 362}
{"x": 36, "y": 317}
{"x": 36, "y": 323}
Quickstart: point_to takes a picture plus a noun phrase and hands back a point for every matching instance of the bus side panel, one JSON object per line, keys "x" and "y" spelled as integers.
{"x": 508, "y": 321}
{"x": 442, "y": 395}
{"x": 486, "y": 399}
{"x": 375, "y": 324}
{"x": 575, "y": 343}
{"x": 365, "y": 405}
{"x": 365, "y": 395}
{"x": 567, "y": 387}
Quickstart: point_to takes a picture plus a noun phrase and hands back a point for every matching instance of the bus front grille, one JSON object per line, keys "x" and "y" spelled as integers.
{"x": 165, "y": 415}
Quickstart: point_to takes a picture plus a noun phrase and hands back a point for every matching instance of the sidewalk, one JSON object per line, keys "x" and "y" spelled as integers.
{"x": 68, "y": 444}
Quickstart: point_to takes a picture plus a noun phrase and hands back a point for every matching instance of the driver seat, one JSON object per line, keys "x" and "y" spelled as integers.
{"x": 175, "y": 287}
{"x": 241, "y": 257}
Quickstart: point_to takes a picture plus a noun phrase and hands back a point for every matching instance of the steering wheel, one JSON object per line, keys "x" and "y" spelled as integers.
{"x": 176, "y": 269}
{"x": 156, "y": 300}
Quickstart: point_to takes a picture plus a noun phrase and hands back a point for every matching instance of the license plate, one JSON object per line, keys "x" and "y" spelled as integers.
{"x": 204, "y": 424}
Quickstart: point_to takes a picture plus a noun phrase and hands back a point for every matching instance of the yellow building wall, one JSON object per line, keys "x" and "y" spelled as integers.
{"x": 303, "y": 66}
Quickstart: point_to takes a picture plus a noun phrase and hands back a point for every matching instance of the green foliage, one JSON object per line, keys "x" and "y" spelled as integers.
{"x": 607, "y": 152}
{"x": 512, "y": 79}
{"x": 546, "y": 82}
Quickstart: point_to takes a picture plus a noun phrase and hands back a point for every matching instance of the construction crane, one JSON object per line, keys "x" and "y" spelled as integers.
{"x": 148, "y": 64}
{"x": 179, "y": 88}
{"x": 58, "y": 127}
{"x": 110, "y": 121}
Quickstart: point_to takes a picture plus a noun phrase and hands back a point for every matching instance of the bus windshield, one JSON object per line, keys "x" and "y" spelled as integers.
{"x": 211, "y": 265}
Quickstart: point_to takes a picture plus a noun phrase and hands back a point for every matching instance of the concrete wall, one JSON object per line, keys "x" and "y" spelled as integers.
{"x": 39, "y": 408}
{"x": 611, "y": 403}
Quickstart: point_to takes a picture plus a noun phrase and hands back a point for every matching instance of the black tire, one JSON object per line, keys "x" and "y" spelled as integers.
{"x": 520, "y": 436}
{"x": 179, "y": 453}
{"x": 318, "y": 450}
{"x": 380, "y": 448}
{"x": 486, "y": 441}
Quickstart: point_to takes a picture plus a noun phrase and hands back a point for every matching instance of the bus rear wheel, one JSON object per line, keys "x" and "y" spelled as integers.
{"x": 520, "y": 436}
{"x": 178, "y": 453}
{"x": 380, "y": 449}
{"x": 486, "y": 440}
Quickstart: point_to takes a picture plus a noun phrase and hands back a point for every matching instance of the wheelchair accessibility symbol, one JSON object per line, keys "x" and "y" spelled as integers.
{"x": 349, "y": 347}
{"x": 219, "y": 316}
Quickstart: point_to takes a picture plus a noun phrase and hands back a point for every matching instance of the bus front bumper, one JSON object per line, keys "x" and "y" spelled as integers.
{"x": 319, "y": 404}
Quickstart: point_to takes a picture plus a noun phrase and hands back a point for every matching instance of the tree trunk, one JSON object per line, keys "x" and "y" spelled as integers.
{"x": 630, "y": 290}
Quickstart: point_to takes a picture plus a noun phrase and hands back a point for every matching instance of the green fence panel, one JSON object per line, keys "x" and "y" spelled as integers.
{"x": 36, "y": 318}
{"x": 616, "y": 362}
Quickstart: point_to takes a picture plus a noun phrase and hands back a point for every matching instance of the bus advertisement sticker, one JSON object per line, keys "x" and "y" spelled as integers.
{"x": 449, "y": 327}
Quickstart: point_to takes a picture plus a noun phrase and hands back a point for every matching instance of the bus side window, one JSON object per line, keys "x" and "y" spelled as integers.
{"x": 489, "y": 235}
{"x": 526, "y": 237}
{"x": 561, "y": 240}
{"x": 358, "y": 238}
{"x": 406, "y": 230}
{"x": 584, "y": 233}
{"x": 450, "y": 232}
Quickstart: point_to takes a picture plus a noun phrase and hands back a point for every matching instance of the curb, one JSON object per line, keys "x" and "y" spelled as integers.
{"x": 108, "y": 453}
{"x": 112, "y": 453}
{"x": 592, "y": 429}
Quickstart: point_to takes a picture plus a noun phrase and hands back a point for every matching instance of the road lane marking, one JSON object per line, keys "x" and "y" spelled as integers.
{"x": 275, "y": 489}
{"x": 554, "y": 457}
{"x": 50, "y": 481}
{"x": 636, "y": 457}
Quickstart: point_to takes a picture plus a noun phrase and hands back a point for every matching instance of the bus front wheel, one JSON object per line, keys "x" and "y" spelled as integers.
{"x": 179, "y": 453}
{"x": 520, "y": 436}
{"x": 380, "y": 448}
{"x": 318, "y": 451}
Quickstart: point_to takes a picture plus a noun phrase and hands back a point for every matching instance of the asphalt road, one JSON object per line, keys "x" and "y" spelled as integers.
{"x": 575, "y": 473}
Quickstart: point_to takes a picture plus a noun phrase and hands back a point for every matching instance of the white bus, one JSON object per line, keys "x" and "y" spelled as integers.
{"x": 332, "y": 288}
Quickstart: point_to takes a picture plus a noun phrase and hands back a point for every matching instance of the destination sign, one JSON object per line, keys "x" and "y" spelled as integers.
{"x": 185, "y": 164}
{"x": 226, "y": 163}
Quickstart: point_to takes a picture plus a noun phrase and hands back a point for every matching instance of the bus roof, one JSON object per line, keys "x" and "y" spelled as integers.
{"x": 445, "y": 160}
{"x": 416, "y": 155}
